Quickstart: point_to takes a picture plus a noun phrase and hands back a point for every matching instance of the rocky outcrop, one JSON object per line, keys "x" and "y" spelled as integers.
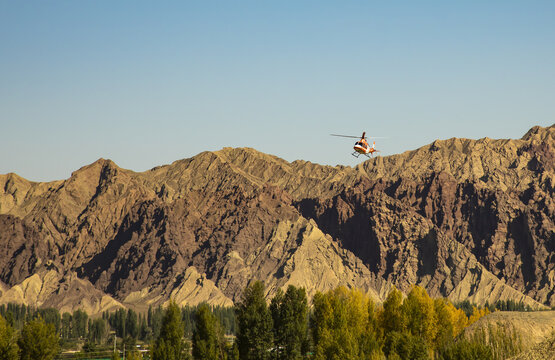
{"x": 467, "y": 219}
{"x": 66, "y": 292}
{"x": 189, "y": 288}
{"x": 404, "y": 247}
{"x": 22, "y": 250}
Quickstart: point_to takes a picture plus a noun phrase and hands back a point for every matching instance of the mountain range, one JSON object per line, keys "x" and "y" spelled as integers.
{"x": 465, "y": 219}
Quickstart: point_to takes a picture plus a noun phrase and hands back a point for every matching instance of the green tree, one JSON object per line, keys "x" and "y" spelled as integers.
{"x": 66, "y": 332}
{"x": 464, "y": 349}
{"x": 98, "y": 331}
{"x": 290, "y": 314}
{"x": 8, "y": 341}
{"x": 51, "y": 316}
{"x": 208, "y": 337}
{"x": 255, "y": 336}
{"x": 154, "y": 320}
{"x": 170, "y": 344}
{"x": 132, "y": 324}
{"x": 38, "y": 340}
{"x": 79, "y": 323}
{"x": 404, "y": 345}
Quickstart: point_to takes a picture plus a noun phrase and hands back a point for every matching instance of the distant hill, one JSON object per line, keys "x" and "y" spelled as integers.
{"x": 536, "y": 331}
{"x": 466, "y": 219}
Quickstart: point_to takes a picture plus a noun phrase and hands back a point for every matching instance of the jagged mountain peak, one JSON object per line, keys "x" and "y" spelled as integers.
{"x": 464, "y": 218}
{"x": 502, "y": 163}
{"x": 540, "y": 134}
{"x": 95, "y": 166}
{"x": 251, "y": 170}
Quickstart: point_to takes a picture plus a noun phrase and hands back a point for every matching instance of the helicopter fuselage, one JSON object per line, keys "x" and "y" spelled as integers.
{"x": 362, "y": 147}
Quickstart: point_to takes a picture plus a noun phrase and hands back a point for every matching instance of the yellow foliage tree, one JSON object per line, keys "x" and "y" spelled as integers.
{"x": 461, "y": 320}
{"x": 8, "y": 341}
{"x": 341, "y": 324}
{"x": 390, "y": 316}
{"x": 477, "y": 314}
{"x": 450, "y": 321}
{"x": 418, "y": 308}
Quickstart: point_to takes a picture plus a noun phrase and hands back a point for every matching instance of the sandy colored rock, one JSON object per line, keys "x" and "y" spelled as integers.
{"x": 189, "y": 288}
{"x": 466, "y": 219}
{"x": 49, "y": 288}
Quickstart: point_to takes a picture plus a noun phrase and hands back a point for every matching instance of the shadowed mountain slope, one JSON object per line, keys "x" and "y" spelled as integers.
{"x": 463, "y": 218}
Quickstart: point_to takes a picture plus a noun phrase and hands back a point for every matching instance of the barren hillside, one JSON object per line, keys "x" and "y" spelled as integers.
{"x": 466, "y": 219}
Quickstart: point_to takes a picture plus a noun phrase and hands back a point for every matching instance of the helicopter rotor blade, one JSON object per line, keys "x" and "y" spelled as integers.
{"x": 347, "y": 136}
{"x": 358, "y": 137}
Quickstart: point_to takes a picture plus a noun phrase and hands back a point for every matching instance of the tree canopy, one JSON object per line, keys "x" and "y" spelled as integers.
{"x": 38, "y": 340}
{"x": 289, "y": 313}
{"x": 340, "y": 325}
{"x": 208, "y": 337}
{"x": 170, "y": 345}
{"x": 8, "y": 341}
{"x": 255, "y": 325}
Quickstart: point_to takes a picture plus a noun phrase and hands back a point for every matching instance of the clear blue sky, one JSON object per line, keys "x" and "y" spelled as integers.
{"x": 146, "y": 83}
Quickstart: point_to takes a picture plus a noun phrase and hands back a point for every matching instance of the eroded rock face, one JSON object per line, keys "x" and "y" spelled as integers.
{"x": 463, "y": 218}
{"x": 21, "y": 250}
{"x": 400, "y": 244}
{"x": 66, "y": 292}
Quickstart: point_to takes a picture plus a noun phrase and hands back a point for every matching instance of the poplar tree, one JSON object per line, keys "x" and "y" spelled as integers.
{"x": 98, "y": 330}
{"x": 66, "y": 330}
{"x": 170, "y": 344}
{"x": 450, "y": 322}
{"x": 80, "y": 320}
{"x": 341, "y": 324}
{"x": 391, "y": 317}
{"x": 290, "y": 314}
{"x": 208, "y": 342}
{"x": 131, "y": 324}
{"x": 421, "y": 317}
{"x": 254, "y": 336}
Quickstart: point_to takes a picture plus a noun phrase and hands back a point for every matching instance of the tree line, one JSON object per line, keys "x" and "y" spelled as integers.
{"x": 341, "y": 324}
{"x": 501, "y": 305}
{"x": 124, "y": 322}
{"x": 68, "y": 330}
{"x": 146, "y": 327}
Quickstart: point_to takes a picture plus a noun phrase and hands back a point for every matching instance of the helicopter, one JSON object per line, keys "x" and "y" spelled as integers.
{"x": 361, "y": 146}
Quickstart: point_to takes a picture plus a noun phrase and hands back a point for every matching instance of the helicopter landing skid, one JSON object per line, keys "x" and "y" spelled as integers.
{"x": 357, "y": 154}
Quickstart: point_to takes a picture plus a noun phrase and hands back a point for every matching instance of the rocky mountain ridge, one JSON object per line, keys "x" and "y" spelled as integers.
{"x": 464, "y": 218}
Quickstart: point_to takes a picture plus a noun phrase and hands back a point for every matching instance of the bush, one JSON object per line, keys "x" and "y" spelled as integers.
{"x": 465, "y": 350}
{"x": 503, "y": 340}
